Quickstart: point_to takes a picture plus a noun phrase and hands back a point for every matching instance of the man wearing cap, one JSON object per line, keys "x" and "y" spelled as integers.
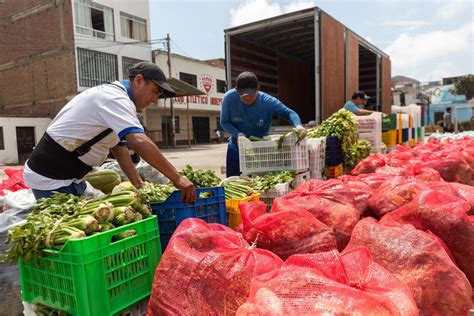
{"x": 95, "y": 121}
{"x": 356, "y": 105}
{"x": 246, "y": 111}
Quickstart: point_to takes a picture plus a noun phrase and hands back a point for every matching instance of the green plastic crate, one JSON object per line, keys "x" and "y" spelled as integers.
{"x": 93, "y": 275}
{"x": 389, "y": 122}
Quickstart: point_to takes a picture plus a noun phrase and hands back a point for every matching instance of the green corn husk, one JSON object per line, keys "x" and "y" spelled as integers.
{"x": 138, "y": 217}
{"x": 123, "y": 215}
{"x": 61, "y": 235}
{"x": 106, "y": 226}
{"x": 143, "y": 209}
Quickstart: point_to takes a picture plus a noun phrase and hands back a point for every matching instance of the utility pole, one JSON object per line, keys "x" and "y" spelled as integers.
{"x": 173, "y": 138}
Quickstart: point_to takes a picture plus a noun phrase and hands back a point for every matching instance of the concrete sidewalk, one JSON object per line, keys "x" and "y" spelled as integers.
{"x": 205, "y": 156}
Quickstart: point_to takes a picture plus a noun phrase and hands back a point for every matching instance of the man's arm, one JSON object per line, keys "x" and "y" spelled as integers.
{"x": 226, "y": 119}
{"x": 283, "y": 111}
{"x": 125, "y": 161}
{"x": 363, "y": 112}
{"x": 147, "y": 150}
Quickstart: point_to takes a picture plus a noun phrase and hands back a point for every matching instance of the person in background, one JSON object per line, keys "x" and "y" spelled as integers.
{"x": 447, "y": 124}
{"x": 96, "y": 121}
{"x": 357, "y": 103}
{"x": 247, "y": 111}
{"x": 218, "y": 135}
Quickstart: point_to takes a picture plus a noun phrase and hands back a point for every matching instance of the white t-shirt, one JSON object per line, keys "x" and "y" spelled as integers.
{"x": 85, "y": 116}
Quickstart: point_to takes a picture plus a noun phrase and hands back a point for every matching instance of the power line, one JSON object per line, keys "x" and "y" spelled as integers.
{"x": 185, "y": 53}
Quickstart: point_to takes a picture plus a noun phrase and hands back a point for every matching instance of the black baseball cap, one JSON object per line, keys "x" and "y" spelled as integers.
{"x": 247, "y": 84}
{"x": 152, "y": 72}
{"x": 360, "y": 94}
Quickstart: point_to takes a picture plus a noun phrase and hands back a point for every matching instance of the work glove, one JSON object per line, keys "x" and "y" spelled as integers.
{"x": 241, "y": 135}
{"x": 301, "y": 131}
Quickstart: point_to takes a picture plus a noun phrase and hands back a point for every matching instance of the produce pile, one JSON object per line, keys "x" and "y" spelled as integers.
{"x": 393, "y": 238}
{"x": 343, "y": 126}
{"x": 63, "y": 217}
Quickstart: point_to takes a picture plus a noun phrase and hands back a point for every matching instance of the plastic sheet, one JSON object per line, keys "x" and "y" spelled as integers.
{"x": 206, "y": 270}
{"x": 329, "y": 283}
{"x": 420, "y": 261}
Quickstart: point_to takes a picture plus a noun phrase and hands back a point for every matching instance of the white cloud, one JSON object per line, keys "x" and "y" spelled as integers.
{"x": 419, "y": 55}
{"x": 450, "y": 8}
{"x": 406, "y": 25}
{"x": 255, "y": 10}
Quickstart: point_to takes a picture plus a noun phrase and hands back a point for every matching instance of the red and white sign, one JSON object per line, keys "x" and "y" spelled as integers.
{"x": 207, "y": 83}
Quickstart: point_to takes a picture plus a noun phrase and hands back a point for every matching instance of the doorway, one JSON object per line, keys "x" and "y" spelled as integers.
{"x": 201, "y": 130}
{"x": 25, "y": 140}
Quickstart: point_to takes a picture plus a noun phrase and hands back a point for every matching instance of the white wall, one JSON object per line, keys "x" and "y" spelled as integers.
{"x": 204, "y": 71}
{"x": 10, "y": 154}
{"x": 139, "y": 51}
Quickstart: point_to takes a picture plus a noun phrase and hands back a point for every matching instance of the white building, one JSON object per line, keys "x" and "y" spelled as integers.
{"x": 204, "y": 111}
{"x": 109, "y": 36}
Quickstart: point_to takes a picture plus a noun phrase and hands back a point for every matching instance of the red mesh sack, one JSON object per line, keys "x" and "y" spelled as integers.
{"x": 373, "y": 180}
{"x": 339, "y": 217}
{"x": 466, "y": 192}
{"x": 454, "y": 169}
{"x": 419, "y": 260}
{"x": 329, "y": 283}
{"x": 206, "y": 270}
{"x": 369, "y": 164}
{"x": 356, "y": 193}
{"x": 445, "y": 216}
{"x": 290, "y": 231}
{"x": 14, "y": 182}
{"x": 393, "y": 194}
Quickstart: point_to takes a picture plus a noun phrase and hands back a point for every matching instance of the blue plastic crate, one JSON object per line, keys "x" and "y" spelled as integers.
{"x": 173, "y": 211}
{"x": 333, "y": 160}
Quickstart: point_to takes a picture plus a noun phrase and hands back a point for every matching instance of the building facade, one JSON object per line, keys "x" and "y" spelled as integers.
{"x": 50, "y": 50}
{"x": 196, "y": 117}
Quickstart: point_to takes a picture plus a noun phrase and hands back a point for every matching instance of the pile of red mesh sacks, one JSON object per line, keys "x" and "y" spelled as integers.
{"x": 394, "y": 238}
{"x": 14, "y": 182}
{"x": 454, "y": 160}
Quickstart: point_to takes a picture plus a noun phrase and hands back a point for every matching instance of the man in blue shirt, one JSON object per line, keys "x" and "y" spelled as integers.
{"x": 356, "y": 105}
{"x": 246, "y": 111}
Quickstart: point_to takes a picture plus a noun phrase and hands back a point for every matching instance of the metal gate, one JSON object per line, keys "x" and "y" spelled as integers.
{"x": 25, "y": 141}
{"x": 201, "y": 130}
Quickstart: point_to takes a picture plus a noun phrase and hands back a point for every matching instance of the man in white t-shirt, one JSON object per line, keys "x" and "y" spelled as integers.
{"x": 97, "y": 120}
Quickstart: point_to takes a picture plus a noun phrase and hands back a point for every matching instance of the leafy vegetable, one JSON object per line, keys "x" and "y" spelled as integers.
{"x": 356, "y": 153}
{"x": 265, "y": 182}
{"x": 201, "y": 178}
{"x": 341, "y": 125}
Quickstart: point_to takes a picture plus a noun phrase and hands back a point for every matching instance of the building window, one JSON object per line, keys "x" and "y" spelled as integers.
{"x": 2, "y": 143}
{"x": 133, "y": 27}
{"x": 221, "y": 86}
{"x": 166, "y": 121}
{"x": 188, "y": 78}
{"x": 127, "y": 63}
{"x": 93, "y": 19}
{"x": 96, "y": 67}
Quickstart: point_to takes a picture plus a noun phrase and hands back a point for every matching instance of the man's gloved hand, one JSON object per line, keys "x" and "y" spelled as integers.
{"x": 241, "y": 135}
{"x": 301, "y": 131}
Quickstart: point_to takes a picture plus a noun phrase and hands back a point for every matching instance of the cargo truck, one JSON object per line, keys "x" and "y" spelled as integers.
{"x": 310, "y": 61}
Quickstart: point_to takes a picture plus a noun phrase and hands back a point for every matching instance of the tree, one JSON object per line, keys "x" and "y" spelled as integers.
{"x": 465, "y": 86}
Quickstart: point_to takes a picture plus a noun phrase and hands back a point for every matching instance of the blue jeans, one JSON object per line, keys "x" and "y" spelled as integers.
{"x": 232, "y": 160}
{"x": 74, "y": 188}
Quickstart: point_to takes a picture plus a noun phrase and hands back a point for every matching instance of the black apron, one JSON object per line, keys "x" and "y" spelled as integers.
{"x": 53, "y": 161}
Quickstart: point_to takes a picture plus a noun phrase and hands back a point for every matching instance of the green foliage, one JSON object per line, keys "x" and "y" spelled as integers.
{"x": 465, "y": 86}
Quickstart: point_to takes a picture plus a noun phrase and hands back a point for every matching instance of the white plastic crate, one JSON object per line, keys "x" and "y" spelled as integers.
{"x": 302, "y": 177}
{"x": 264, "y": 156}
{"x": 278, "y": 190}
{"x": 369, "y": 122}
{"x": 374, "y": 138}
{"x": 317, "y": 155}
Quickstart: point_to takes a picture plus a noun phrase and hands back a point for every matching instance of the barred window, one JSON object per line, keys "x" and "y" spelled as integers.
{"x": 221, "y": 86}
{"x": 188, "y": 78}
{"x": 96, "y": 67}
{"x": 127, "y": 63}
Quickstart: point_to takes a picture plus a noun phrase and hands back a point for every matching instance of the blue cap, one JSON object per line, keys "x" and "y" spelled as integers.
{"x": 360, "y": 94}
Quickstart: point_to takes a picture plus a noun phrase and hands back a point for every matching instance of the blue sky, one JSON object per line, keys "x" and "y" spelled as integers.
{"x": 426, "y": 39}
